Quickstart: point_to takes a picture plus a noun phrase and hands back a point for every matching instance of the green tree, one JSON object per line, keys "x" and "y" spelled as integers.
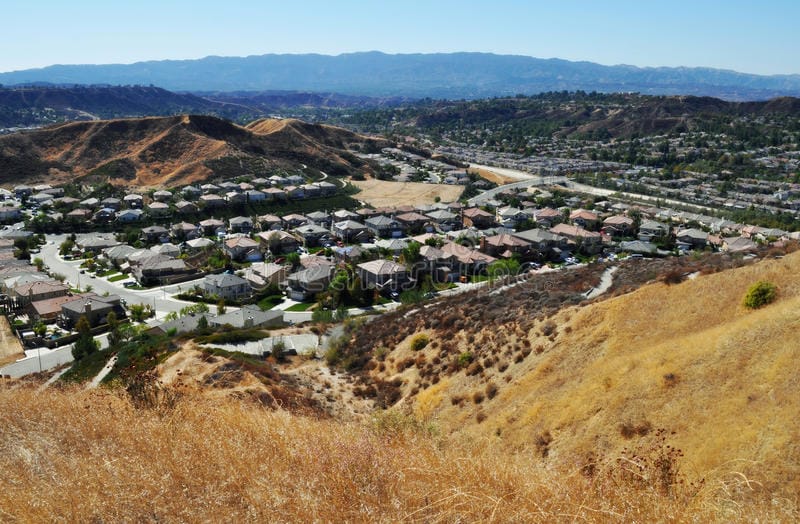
{"x": 221, "y": 307}
{"x": 39, "y": 263}
{"x": 411, "y": 253}
{"x": 66, "y": 247}
{"x": 114, "y": 334}
{"x": 86, "y": 344}
{"x": 39, "y": 329}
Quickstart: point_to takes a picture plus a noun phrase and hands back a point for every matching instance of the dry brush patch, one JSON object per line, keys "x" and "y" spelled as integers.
{"x": 77, "y": 455}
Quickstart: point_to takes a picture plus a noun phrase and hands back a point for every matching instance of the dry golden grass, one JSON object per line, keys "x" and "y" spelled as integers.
{"x": 76, "y": 455}
{"x": 491, "y": 176}
{"x": 10, "y": 347}
{"x": 382, "y": 193}
{"x": 688, "y": 358}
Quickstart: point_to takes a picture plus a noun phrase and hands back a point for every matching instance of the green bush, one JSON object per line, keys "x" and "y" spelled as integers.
{"x": 419, "y": 342}
{"x": 760, "y": 294}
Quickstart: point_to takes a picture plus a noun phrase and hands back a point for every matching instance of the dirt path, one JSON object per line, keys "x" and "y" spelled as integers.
{"x": 606, "y": 279}
{"x": 103, "y": 372}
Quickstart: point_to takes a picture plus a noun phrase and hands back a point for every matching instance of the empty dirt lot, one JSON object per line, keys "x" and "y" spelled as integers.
{"x": 380, "y": 193}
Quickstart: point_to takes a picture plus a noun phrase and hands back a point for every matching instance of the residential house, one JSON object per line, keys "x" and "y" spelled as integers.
{"x": 414, "y": 222}
{"x": 691, "y": 239}
{"x": 226, "y": 286}
{"x": 104, "y": 215}
{"x": 184, "y": 207}
{"x": 293, "y": 220}
{"x": 242, "y": 248}
{"x": 395, "y": 246}
{"x": 351, "y": 231}
{"x": 510, "y": 217}
{"x": 158, "y": 209}
{"x": 95, "y": 243}
{"x": 249, "y": 316}
{"x": 651, "y": 229}
{"x": 345, "y": 214}
{"x": 95, "y": 308}
{"x": 154, "y": 233}
{"x": 133, "y": 201}
{"x": 111, "y": 203}
{"x": 129, "y": 215}
{"x": 90, "y": 203}
{"x": 241, "y": 224}
{"x": 308, "y": 282}
{"x": 29, "y": 292}
{"x": 444, "y": 220}
{"x": 162, "y": 195}
{"x": 585, "y": 219}
{"x": 278, "y": 241}
{"x": 326, "y": 188}
{"x": 477, "y": 218}
{"x": 168, "y": 249}
{"x": 211, "y": 226}
{"x": 270, "y": 222}
{"x": 313, "y": 235}
{"x": 383, "y": 274}
{"x": 466, "y": 260}
{"x": 212, "y": 201}
{"x": 320, "y": 218}
{"x": 384, "y": 226}
{"x": 184, "y": 231}
{"x": 294, "y": 192}
{"x": 589, "y": 242}
{"x": 254, "y": 195}
{"x": 158, "y": 269}
{"x": 263, "y": 274}
{"x": 738, "y": 245}
{"x": 505, "y": 246}
{"x": 618, "y": 226}
{"x": 639, "y": 247}
{"x": 209, "y": 188}
{"x": 236, "y": 197}
{"x": 547, "y": 217}
{"x": 48, "y": 310}
{"x": 547, "y": 244}
{"x": 311, "y": 191}
{"x": 199, "y": 244}
{"x": 118, "y": 254}
{"x": 278, "y": 195}
{"x": 191, "y": 192}
{"x": 79, "y": 215}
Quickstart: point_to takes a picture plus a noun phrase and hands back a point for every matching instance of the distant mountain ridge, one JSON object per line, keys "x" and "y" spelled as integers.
{"x": 441, "y": 75}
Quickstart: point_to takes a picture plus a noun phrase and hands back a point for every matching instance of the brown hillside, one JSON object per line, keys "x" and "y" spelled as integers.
{"x": 593, "y": 380}
{"x": 168, "y": 151}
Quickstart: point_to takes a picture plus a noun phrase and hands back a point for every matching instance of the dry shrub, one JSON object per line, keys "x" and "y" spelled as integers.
{"x": 502, "y": 366}
{"x": 491, "y": 390}
{"x": 474, "y": 368}
{"x": 548, "y": 328}
{"x": 480, "y": 416}
{"x": 404, "y": 364}
{"x": 629, "y": 429}
{"x": 477, "y": 397}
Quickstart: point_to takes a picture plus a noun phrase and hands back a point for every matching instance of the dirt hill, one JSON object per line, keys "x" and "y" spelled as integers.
{"x": 170, "y": 151}
{"x": 684, "y": 364}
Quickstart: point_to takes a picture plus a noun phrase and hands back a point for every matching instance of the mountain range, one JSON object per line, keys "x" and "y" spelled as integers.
{"x": 439, "y": 75}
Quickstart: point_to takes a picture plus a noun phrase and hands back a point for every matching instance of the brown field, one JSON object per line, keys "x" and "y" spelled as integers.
{"x": 491, "y": 176}
{"x": 381, "y": 193}
{"x": 73, "y": 455}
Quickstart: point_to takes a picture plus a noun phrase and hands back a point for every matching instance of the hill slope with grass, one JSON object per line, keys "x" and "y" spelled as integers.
{"x": 586, "y": 382}
{"x": 169, "y": 151}
{"x": 521, "y": 403}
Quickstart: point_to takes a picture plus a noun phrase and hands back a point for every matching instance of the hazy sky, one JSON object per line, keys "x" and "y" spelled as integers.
{"x": 749, "y": 36}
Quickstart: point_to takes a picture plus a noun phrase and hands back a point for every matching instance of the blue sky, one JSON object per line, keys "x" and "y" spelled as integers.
{"x": 754, "y": 37}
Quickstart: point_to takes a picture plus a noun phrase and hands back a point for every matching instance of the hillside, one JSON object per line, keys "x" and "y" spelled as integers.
{"x": 661, "y": 403}
{"x": 579, "y": 115}
{"x": 41, "y": 105}
{"x": 438, "y": 75}
{"x": 685, "y": 364}
{"x": 169, "y": 151}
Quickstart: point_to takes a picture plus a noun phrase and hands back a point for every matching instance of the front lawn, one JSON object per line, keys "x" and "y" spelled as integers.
{"x": 117, "y": 278}
{"x": 302, "y": 306}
